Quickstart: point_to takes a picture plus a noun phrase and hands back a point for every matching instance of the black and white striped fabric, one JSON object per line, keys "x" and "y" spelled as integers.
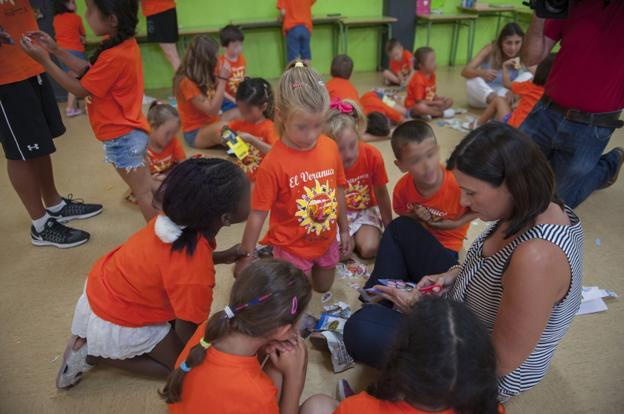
{"x": 479, "y": 286}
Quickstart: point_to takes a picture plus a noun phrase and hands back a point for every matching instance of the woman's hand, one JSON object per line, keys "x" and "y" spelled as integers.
{"x": 403, "y": 299}
{"x": 242, "y": 263}
{"x": 45, "y": 40}
{"x": 488, "y": 74}
{"x": 443, "y": 280}
{"x": 33, "y": 50}
{"x": 293, "y": 363}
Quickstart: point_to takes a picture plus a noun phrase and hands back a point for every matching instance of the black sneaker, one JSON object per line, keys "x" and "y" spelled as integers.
{"x": 57, "y": 235}
{"x": 75, "y": 209}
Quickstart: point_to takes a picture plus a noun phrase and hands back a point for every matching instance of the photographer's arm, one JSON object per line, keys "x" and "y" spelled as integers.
{"x": 536, "y": 45}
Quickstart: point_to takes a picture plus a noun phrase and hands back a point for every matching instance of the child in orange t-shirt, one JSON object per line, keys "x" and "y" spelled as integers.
{"x": 257, "y": 106}
{"x": 400, "y": 64}
{"x": 164, "y": 272}
{"x": 199, "y": 92}
{"x": 113, "y": 81}
{"x": 368, "y": 201}
{"x": 232, "y": 38}
{"x": 339, "y": 87}
{"x": 301, "y": 182}
{"x": 297, "y": 27}
{"x": 428, "y": 192}
{"x": 529, "y": 92}
{"x": 164, "y": 150}
{"x": 220, "y": 368}
{"x": 70, "y": 35}
{"x": 380, "y": 102}
{"x": 444, "y": 363}
{"x": 422, "y": 98}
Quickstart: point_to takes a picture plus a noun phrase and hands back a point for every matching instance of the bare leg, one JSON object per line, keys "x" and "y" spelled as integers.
{"x": 367, "y": 241}
{"x": 502, "y": 108}
{"x": 424, "y": 108}
{"x": 489, "y": 113}
{"x": 71, "y": 101}
{"x": 209, "y": 136}
{"x": 343, "y": 257}
{"x": 319, "y": 404}
{"x": 25, "y": 180}
{"x": 322, "y": 279}
{"x": 391, "y": 77}
{"x": 49, "y": 193}
{"x": 140, "y": 182}
{"x": 230, "y": 115}
{"x": 171, "y": 53}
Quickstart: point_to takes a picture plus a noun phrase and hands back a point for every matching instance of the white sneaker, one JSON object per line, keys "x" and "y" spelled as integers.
{"x": 74, "y": 364}
{"x": 147, "y": 100}
{"x": 448, "y": 113}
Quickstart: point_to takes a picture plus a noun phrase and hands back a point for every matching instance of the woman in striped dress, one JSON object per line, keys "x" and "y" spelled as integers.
{"x": 522, "y": 277}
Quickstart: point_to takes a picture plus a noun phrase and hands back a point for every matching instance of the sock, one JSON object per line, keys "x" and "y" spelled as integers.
{"x": 56, "y": 208}
{"x": 448, "y": 113}
{"x": 39, "y": 224}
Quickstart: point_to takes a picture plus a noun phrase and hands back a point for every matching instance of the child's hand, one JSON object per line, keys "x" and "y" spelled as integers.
{"x": 230, "y": 255}
{"x": 346, "y": 244}
{"x": 248, "y": 138}
{"x": 422, "y": 213}
{"x": 225, "y": 70}
{"x": 292, "y": 364}
{"x": 45, "y": 40}
{"x": 489, "y": 74}
{"x": 36, "y": 52}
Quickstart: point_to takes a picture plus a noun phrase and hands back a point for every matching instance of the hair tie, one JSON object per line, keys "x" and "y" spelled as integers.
{"x": 293, "y": 306}
{"x": 341, "y": 106}
{"x": 228, "y": 312}
{"x": 204, "y": 344}
{"x": 167, "y": 230}
{"x": 184, "y": 367}
{"x": 299, "y": 64}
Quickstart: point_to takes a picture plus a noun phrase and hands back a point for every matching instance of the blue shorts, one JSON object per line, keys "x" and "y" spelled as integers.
{"x": 190, "y": 137}
{"x": 127, "y": 151}
{"x": 227, "y": 105}
{"x": 76, "y": 53}
{"x": 506, "y": 118}
{"x": 298, "y": 43}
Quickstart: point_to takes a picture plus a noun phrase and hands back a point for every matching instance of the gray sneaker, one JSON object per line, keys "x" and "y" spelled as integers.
{"x": 57, "y": 235}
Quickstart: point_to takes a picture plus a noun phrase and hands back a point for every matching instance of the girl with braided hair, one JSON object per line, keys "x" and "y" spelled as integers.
{"x": 143, "y": 300}
{"x": 219, "y": 370}
{"x": 112, "y": 82}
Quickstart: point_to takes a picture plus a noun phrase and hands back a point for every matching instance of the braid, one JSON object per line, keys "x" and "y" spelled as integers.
{"x": 126, "y": 13}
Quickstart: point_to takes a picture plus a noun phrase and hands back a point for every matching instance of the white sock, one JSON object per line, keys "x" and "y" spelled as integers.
{"x": 56, "y": 208}
{"x": 448, "y": 113}
{"x": 39, "y": 224}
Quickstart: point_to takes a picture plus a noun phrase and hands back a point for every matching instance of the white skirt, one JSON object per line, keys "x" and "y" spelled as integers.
{"x": 108, "y": 340}
{"x": 478, "y": 89}
{"x": 358, "y": 218}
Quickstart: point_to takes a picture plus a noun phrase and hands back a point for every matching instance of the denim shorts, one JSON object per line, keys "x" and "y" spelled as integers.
{"x": 227, "y": 105}
{"x": 76, "y": 53}
{"x": 127, "y": 151}
{"x": 190, "y": 137}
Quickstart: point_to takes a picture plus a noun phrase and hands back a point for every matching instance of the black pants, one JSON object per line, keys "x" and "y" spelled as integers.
{"x": 407, "y": 251}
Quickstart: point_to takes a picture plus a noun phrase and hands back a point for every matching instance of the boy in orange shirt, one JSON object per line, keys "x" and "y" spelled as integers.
{"x": 422, "y": 99}
{"x": 338, "y": 86}
{"x": 70, "y": 35}
{"x": 400, "y": 64}
{"x": 232, "y": 38}
{"x": 297, "y": 27}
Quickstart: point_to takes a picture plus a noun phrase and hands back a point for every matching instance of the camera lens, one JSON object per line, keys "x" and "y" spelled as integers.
{"x": 555, "y": 6}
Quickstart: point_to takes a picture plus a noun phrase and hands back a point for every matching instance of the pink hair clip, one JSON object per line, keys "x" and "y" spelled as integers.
{"x": 293, "y": 306}
{"x": 342, "y": 107}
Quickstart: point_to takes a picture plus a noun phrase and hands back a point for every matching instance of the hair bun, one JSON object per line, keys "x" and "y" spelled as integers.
{"x": 299, "y": 64}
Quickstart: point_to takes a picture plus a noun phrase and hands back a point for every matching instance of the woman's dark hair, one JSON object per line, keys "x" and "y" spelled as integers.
{"x": 442, "y": 360}
{"x": 199, "y": 64}
{"x": 196, "y": 193}
{"x": 510, "y": 29}
{"x": 420, "y": 55}
{"x": 341, "y": 67}
{"x": 60, "y": 7}
{"x": 543, "y": 70}
{"x": 230, "y": 33}
{"x": 257, "y": 92}
{"x": 377, "y": 124}
{"x": 268, "y": 294}
{"x": 126, "y": 13}
{"x": 500, "y": 154}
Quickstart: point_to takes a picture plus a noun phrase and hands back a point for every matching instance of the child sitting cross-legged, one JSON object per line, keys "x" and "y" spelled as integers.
{"x": 422, "y": 98}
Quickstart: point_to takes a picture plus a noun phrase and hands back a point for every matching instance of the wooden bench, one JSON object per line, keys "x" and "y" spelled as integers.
{"x": 383, "y": 22}
{"x": 458, "y": 20}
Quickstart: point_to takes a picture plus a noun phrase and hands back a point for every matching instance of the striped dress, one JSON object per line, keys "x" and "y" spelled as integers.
{"x": 479, "y": 286}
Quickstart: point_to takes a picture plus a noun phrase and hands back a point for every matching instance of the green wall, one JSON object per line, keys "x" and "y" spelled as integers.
{"x": 263, "y": 47}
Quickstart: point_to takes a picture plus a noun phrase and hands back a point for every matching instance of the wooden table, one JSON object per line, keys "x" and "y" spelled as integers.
{"x": 383, "y": 22}
{"x": 492, "y": 11}
{"x": 458, "y": 20}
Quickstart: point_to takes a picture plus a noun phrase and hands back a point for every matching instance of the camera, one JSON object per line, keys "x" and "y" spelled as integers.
{"x": 551, "y": 9}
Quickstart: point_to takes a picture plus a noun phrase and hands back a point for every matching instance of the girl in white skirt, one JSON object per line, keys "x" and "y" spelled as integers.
{"x": 143, "y": 300}
{"x": 368, "y": 201}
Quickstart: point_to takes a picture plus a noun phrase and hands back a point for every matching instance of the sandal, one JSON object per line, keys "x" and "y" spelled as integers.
{"x": 72, "y": 112}
{"x": 74, "y": 364}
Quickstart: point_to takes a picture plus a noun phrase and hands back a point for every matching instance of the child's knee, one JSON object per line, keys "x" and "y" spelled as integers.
{"x": 367, "y": 248}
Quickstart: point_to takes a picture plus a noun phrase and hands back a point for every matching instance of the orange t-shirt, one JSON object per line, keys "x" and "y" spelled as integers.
{"x": 299, "y": 189}
{"x": 151, "y": 7}
{"x": 529, "y": 94}
{"x": 371, "y": 102}
{"x": 192, "y": 118}
{"x": 297, "y": 12}
{"x": 366, "y": 173}
{"x": 160, "y": 162}
{"x": 403, "y": 66}
{"x": 115, "y": 83}
{"x": 443, "y": 204}
{"x": 68, "y": 28}
{"x": 420, "y": 88}
{"x": 364, "y": 403}
{"x": 17, "y": 17}
{"x": 143, "y": 282}
{"x": 237, "y": 74}
{"x": 342, "y": 89}
{"x": 265, "y": 130}
{"x": 224, "y": 383}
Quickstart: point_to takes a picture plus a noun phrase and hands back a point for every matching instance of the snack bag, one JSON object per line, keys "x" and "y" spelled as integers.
{"x": 235, "y": 143}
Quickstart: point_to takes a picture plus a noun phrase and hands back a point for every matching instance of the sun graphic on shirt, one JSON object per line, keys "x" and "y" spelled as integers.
{"x": 317, "y": 208}
{"x": 250, "y": 163}
{"x": 358, "y": 196}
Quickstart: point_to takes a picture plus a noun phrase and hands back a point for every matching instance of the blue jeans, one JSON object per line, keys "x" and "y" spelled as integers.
{"x": 127, "y": 151}
{"x": 298, "y": 43}
{"x": 574, "y": 152}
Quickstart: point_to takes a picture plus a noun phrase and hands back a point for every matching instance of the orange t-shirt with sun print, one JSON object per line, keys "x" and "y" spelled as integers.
{"x": 403, "y": 66}
{"x": 226, "y": 383}
{"x": 191, "y": 117}
{"x": 342, "y": 89}
{"x": 443, "y": 205}
{"x": 299, "y": 188}
{"x": 266, "y": 132}
{"x": 161, "y": 162}
{"x": 371, "y": 102}
{"x": 142, "y": 282}
{"x": 115, "y": 86}
{"x": 420, "y": 88}
{"x": 237, "y": 73}
{"x": 366, "y": 173}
